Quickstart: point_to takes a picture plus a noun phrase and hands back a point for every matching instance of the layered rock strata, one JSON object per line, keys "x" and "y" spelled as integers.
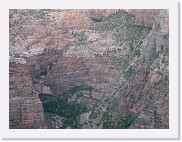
{"x": 25, "y": 107}
{"x": 112, "y": 63}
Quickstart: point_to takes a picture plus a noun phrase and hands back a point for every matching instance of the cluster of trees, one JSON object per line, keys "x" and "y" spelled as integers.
{"x": 122, "y": 122}
{"x": 128, "y": 73}
{"x": 42, "y": 73}
{"x": 69, "y": 111}
{"x": 76, "y": 89}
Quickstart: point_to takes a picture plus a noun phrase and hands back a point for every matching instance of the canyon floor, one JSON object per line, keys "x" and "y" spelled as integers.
{"x": 88, "y": 69}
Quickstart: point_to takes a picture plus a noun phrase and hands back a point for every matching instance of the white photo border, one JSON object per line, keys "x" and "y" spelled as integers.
{"x": 171, "y": 133}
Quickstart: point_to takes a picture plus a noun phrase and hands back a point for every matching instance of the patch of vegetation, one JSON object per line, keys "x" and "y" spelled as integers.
{"x": 40, "y": 14}
{"x": 124, "y": 27}
{"x": 127, "y": 74}
{"x": 141, "y": 70}
{"x": 156, "y": 84}
{"x": 108, "y": 125}
{"x": 98, "y": 55}
{"x": 122, "y": 15}
{"x": 149, "y": 90}
{"x": 97, "y": 125}
{"x": 71, "y": 122}
{"x": 123, "y": 89}
{"x": 69, "y": 111}
{"x": 42, "y": 73}
{"x": 76, "y": 89}
{"x": 137, "y": 52}
{"x": 103, "y": 62}
{"x": 166, "y": 36}
{"x": 125, "y": 122}
{"x": 133, "y": 34}
{"x": 93, "y": 114}
{"x": 115, "y": 20}
{"x": 165, "y": 51}
{"x": 122, "y": 122}
{"x": 107, "y": 122}
{"x": 17, "y": 55}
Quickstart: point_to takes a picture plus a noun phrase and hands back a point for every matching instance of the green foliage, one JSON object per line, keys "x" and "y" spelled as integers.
{"x": 134, "y": 34}
{"x": 76, "y": 89}
{"x": 137, "y": 52}
{"x": 166, "y": 36}
{"x": 17, "y": 55}
{"x": 123, "y": 89}
{"x": 97, "y": 125}
{"x": 98, "y": 55}
{"x": 103, "y": 62}
{"x": 122, "y": 122}
{"x": 121, "y": 16}
{"x": 64, "y": 126}
{"x": 124, "y": 27}
{"x": 93, "y": 114}
{"x": 125, "y": 121}
{"x": 128, "y": 73}
{"x": 108, "y": 125}
{"x": 165, "y": 51}
{"x": 62, "y": 108}
{"x": 115, "y": 20}
{"x": 72, "y": 122}
{"x": 156, "y": 84}
{"x": 138, "y": 28}
{"x": 149, "y": 90}
{"x": 42, "y": 73}
{"x": 69, "y": 111}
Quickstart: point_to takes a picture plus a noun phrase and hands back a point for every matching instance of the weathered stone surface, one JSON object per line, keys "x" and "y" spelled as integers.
{"x": 154, "y": 112}
{"x": 148, "y": 50}
{"x": 26, "y": 110}
{"x": 144, "y": 17}
{"x": 122, "y": 55}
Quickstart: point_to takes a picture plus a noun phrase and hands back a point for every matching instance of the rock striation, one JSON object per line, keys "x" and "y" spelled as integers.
{"x": 25, "y": 107}
{"x": 92, "y": 69}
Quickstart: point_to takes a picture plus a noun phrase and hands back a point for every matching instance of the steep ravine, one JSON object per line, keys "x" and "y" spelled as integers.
{"x": 89, "y": 69}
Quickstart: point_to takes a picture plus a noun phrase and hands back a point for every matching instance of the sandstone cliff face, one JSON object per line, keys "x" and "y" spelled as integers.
{"x": 26, "y": 110}
{"x": 145, "y": 17}
{"x": 154, "y": 111}
{"x": 112, "y": 65}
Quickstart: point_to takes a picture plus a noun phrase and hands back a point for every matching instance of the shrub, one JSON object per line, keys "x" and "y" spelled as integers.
{"x": 156, "y": 84}
{"x": 93, "y": 114}
{"x": 128, "y": 73}
{"x": 125, "y": 121}
{"x": 17, "y": 55}
{"x": 76, "y": 89}
{"x": 137, "y": 52}
{"x": 123, "y": 89}
{"x": 69, "y": 111}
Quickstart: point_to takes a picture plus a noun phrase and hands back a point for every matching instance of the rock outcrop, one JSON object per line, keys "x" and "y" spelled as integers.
{"x": 92, "y": 68}
{"x": 26, "y": 110}
{"x": 154, "y": 112}
{"x": 145, "y": 17}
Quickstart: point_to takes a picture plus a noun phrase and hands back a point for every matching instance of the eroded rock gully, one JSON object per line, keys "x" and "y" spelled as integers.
{"x": 89, "y": 69}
